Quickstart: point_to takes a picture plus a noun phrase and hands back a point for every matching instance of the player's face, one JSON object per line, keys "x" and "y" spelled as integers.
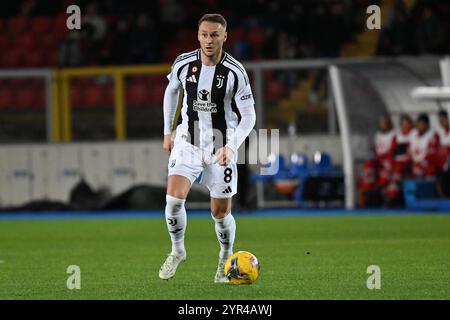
{"x": 405, "y": 124}
{"x": 422, "y": 126}
{"x": 383, "y": 123}
{"x": 211, "y": 36}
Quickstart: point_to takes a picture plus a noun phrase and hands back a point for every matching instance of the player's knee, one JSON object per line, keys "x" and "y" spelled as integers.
{"x": 174, "y": 204}
{"x": 220, "y": 212}
{"x": 176, "y": 193}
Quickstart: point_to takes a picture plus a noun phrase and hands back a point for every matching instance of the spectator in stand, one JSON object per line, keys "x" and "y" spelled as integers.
{"x": 145, "y": 43}
{"x": 400, "y": 29}
{"x": 173, "y": 15}
{"x": 95, "y": 28}
{"x": 331, "y": 35}
{"x": 423, "y": 149}
{"x": 120, "y": 43}
{"x": 430, "y": 33}
{"x": 94, "y": 22}
{"x": 71, "y": 50}
{"x": 444, "y": 155}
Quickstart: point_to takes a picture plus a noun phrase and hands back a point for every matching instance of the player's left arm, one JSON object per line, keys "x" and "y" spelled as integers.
{"x": 225, "y": 155}
{"x": 245, "y": 103}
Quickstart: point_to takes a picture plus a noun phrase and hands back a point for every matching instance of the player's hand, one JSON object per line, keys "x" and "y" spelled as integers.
{"x": 168, "y": 143}
{"x": 223, "y": 156}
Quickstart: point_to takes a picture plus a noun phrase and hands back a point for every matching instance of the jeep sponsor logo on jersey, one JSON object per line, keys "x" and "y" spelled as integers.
{"x": 203, "y": 104}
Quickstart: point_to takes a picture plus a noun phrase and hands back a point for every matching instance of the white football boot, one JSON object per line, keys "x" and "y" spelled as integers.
{"x": 170, "y": 266}
{"x": 220, "y": 275}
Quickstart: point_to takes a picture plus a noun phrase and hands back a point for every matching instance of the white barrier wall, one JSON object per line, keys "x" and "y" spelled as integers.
{"x": 50, "y": 171}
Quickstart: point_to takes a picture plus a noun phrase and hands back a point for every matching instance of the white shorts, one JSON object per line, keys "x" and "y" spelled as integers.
{"x": 192, "y": 162}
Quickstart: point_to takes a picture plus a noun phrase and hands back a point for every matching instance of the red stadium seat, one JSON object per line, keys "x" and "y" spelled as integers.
{"x": 59, "y": 26}
{"x": 275, "y": 90}
{"x": 12, "y": 58}
{"x": 184, "y": 38}
{"x": 33, "y": 59}
{"x": 5, "y": 42}
{"x": 76, "y": 96}
{"x": 51, "y": 58}
{"x": 83, "y": 81}
{"x": 48, "y": 41}
{"x": 17, "y": 25}
{"x": 154, "y": 78}
{"x": 109, "y": 95}
{"x": 37, "y": 83}
{"x": 25, "y": 98}
{"x": 17, "y": 83}
{"x": 94, "y": 96}
{"x": 40, "y": 25}
{"x": 256, "y": 37}
{"x": 185, "y": 35}
{"x": 136, "y": 94}
{"x": 133, "y": 79}
{"x": 156, "y": 93}
{"x": 40, "y": 98}
{"x": 170, "y": 53}
{"x": 25, "y": 41}
{"x": 235, "y": 34}
{"x": 6, "y": 98}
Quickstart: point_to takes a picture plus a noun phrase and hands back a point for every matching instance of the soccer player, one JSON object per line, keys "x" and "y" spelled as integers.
{"x": 217, "y": 115}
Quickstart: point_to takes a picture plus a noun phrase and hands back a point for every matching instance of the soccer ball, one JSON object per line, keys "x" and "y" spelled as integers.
{"x": 242, "y": 267}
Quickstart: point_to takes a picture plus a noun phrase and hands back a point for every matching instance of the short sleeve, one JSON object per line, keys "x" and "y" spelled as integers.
{"x": 174, "y": 81}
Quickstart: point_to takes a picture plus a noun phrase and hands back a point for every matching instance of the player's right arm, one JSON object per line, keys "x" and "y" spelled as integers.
{"x": 170, "y": 107}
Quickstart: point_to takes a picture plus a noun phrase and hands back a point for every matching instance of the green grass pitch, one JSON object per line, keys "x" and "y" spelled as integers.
{"x": 120, "y": 258}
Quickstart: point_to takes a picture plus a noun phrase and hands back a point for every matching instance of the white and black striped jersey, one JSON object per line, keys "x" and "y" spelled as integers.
{"x": 214, "y": 97}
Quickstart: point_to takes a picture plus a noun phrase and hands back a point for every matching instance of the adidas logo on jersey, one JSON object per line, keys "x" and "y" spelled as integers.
{"x": 192, "y": 79}
{"x": 227, "y": 190}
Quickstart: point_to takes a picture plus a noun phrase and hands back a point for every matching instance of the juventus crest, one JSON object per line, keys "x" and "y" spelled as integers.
{"x": 219, "y": 79}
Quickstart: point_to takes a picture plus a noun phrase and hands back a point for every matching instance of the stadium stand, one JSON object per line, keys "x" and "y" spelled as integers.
{"x": 35, "y": 35}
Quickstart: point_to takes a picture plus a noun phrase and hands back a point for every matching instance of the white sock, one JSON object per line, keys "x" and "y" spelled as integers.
{"x": 225, "y": 231}
{"x": 176, "y": 224}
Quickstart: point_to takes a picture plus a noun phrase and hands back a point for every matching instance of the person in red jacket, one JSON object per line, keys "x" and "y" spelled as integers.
{"x": 384, "y": 144}
{"x": 403, "y": 140}
{"x": 423, "y": 149}
{"x": 402, "y": 160}
{"x": 376, "y": 173}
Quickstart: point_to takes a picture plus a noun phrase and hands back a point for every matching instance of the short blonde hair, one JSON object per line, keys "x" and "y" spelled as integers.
{"x": 213, "y": 17}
